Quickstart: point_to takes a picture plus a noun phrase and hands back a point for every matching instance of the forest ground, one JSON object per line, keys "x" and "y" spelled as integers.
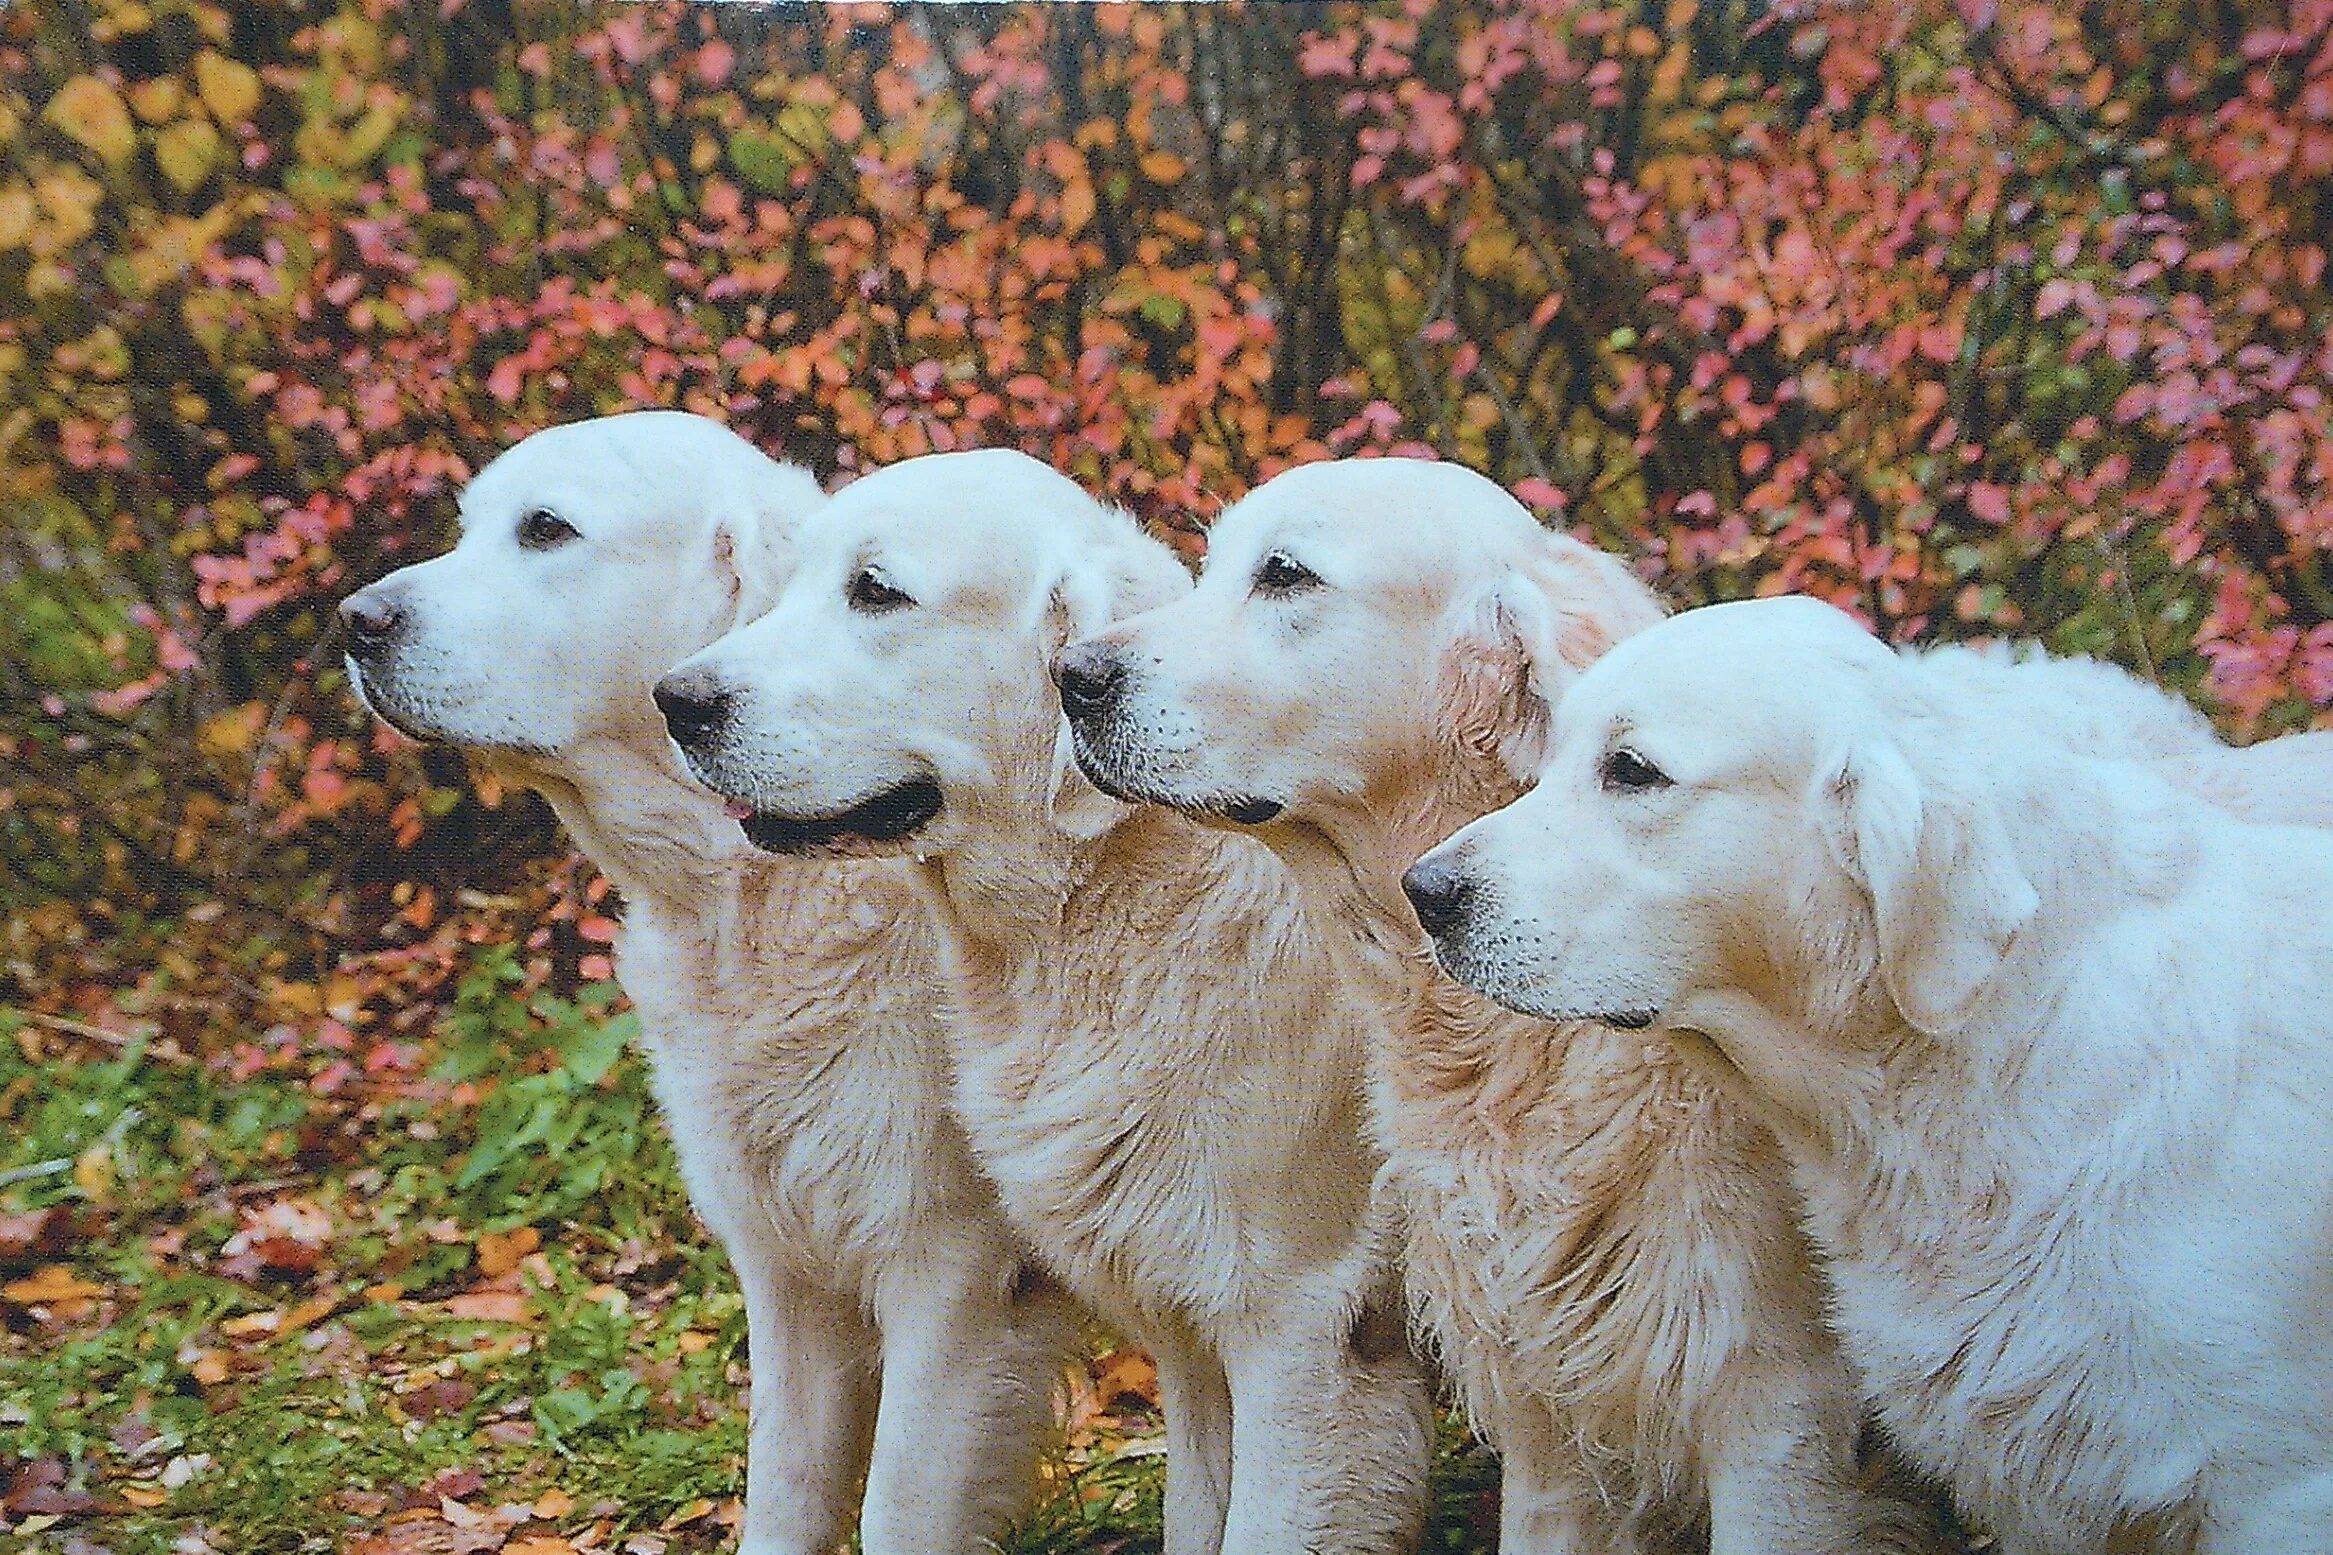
{"x": 443, "y": 1309}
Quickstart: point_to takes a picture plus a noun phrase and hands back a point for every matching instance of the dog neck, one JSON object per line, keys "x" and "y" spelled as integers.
{"x": 637, "y": 816}
{"x": 1352, "y": 853}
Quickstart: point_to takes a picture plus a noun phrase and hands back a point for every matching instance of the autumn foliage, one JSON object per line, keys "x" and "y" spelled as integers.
{"x": 1979, "y": 317}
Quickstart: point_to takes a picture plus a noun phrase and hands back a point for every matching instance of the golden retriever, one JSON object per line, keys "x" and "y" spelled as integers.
{"x": 788, "y": 1006}
{"x": 2043, "y": 1035}
{"x": 1155, "y": 1059}
{"x": 1605, "y": 1254}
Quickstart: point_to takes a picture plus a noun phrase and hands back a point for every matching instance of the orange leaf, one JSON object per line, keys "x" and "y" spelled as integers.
{"x": 50, "y": 1283}
{"x": 499, "y": 1253}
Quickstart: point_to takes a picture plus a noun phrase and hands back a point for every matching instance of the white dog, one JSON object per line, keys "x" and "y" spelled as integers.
{"x": 1154, "y": 1057}
{"x": 1605, "y": 1254}
{"x": 895, "y": 1330}
{"x": 2043, "y": 1034}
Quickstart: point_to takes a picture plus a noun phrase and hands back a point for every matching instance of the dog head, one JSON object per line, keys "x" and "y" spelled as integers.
{"x": 896, "y": 697}
{"x": 1362, "y": 628}
{"x": 1754, "y": 797}
{"x": 591, "y": 557}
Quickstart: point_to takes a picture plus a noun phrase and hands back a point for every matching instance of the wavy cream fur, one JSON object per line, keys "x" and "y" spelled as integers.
{"x": 1154, "y": 1058}
{"x": 2042, "y": 1033}
{"x": 788, "y": 1006}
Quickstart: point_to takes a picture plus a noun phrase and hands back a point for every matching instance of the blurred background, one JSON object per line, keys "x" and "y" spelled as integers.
{"x": 332, "y": 1214}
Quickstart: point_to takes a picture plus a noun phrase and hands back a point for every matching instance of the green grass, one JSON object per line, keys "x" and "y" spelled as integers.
{"x": 618, "y": 1386}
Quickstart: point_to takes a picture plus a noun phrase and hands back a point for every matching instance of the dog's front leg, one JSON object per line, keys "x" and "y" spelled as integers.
{"x": 1550, "y": 1502}
{"x": 812, "y": 1356}
{"x": 1332, "y": 1430}
{"x": 1196, "y": 1400}
{"x": 1782, "y": 1473}
{"x": 969, "y": 1357}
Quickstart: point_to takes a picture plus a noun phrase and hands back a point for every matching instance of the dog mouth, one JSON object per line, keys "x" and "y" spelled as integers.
{"x": 1112, "y": 779}
{"x": 888, "y": 815}
{"x": 378, "y": 700}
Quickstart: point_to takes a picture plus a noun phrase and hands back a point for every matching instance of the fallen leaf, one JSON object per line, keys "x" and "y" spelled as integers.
{"x": 488, "y": 1306}
{"x": 553, "y": 1504}
{"x": 144, "y": 1497}
{"x": 50, "y": 1283}
{"x": 687, "y": 1514}
{"x": 500, "y": 1252}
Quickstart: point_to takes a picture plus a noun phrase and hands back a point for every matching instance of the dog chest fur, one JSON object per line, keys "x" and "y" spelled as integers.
{"x": 793, "y": 1024}
{"x": 1167, "y": 1093}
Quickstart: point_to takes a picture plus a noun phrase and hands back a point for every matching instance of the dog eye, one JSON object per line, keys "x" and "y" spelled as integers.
{"x": 541, "y": 530}
{"x": 1283, "y": 574}
{"x": 1625, "y": 772}
{"x": 870, "y": 595}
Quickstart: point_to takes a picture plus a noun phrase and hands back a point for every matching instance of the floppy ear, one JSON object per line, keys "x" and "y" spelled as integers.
{"x": 753, "y": 539}
{"x": 1503, "y": 672}
{"x": 1948, "y": 895}
{"x": 1517, "y": 645}
{"x": 1597, "y": 600}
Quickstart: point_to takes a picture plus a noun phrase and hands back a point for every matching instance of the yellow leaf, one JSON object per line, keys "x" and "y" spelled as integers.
{"x": 209, "y": 1368}
{"x": 159, "y": 99}
{"x": 50, "y": 1283}
{"x": 294, "y": 999}
{"x": 307, "y": 1312}
{"x": 1161, "y": 167}
{"x": 234, "y": 731}
{"x": 553, "y": 1504}
{"x": 230, "y": 88}
{"x": 186, "y": 152}
{"x": 144, "y": 1497}
{"x": 93, "y": 114}
{"x": 687, "y": 1514}
{"x": 17, "y": 213}
{"x": 93, "y": 1171}
{"x": 539, "y": 1544}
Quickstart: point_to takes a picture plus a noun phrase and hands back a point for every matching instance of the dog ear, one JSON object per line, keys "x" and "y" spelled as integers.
{"x": 753, "y": 538}
{"x": 1518, "y": 644}
{"x": 1502, "y": 655}
{"x": 1948, "y": 894}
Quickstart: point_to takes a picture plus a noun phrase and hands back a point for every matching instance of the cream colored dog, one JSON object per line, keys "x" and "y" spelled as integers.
{"x": 2043, "y": 1035}
{"x": 1155, "y": 1059}
{"x": 1605, "y": 1254}
{"x": 788, "y": 1005}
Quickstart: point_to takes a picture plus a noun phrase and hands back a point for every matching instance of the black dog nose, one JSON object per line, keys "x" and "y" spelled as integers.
{"x": 372, "y": 618}
{"x": 1440, "y": 891}
{"x": 1089, "y": 675}
{"x": 695, "y": 706}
